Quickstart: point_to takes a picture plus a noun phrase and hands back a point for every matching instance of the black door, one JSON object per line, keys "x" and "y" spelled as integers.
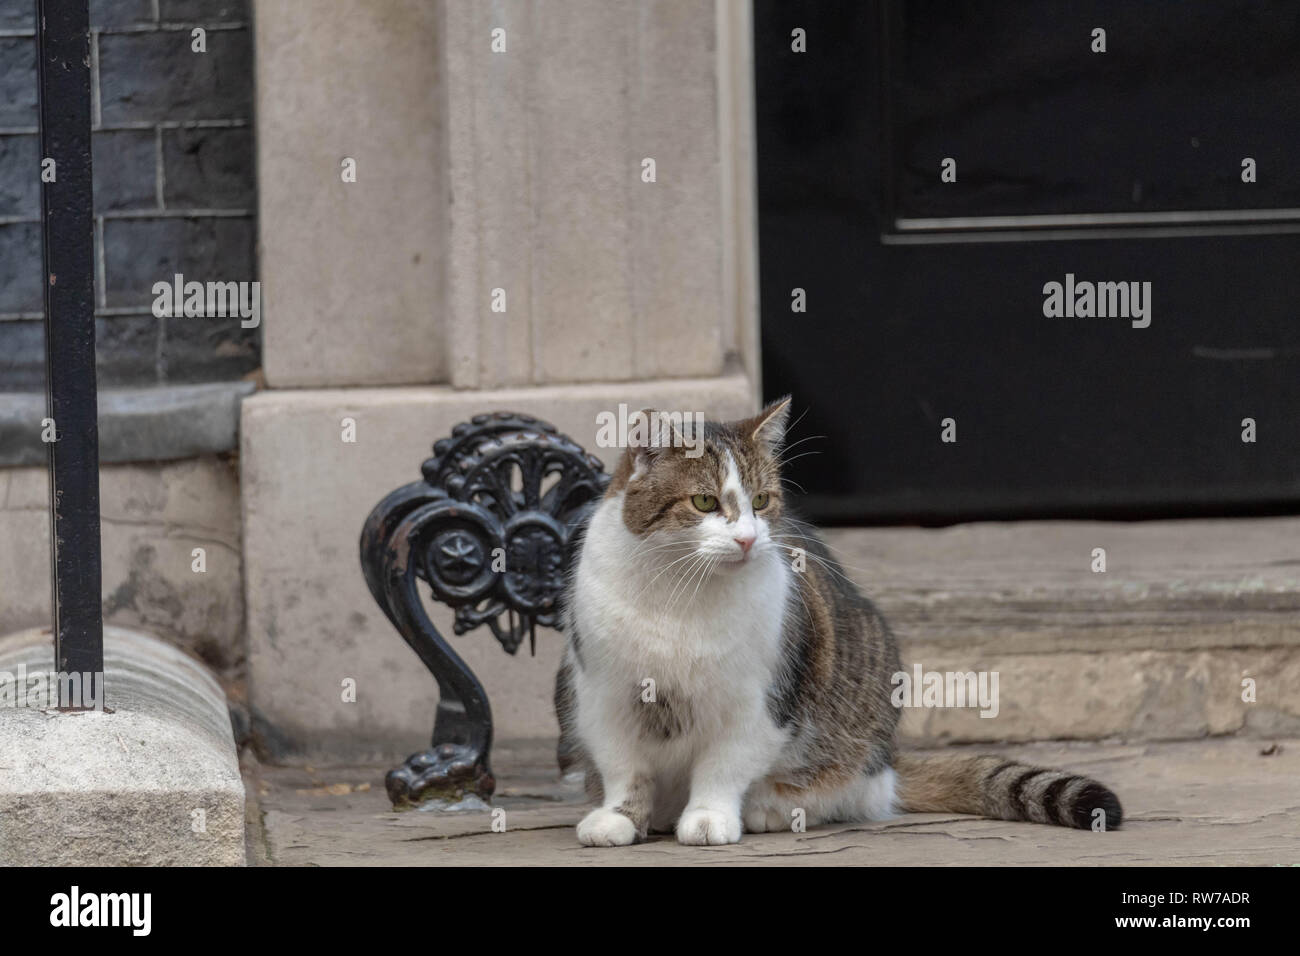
{"x": 927, "y": 169}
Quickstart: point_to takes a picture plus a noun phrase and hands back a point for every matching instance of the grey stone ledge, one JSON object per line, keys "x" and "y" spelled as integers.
{"x": 135, "y": 424}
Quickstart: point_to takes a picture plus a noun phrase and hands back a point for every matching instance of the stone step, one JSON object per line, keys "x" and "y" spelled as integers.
{"x": 1159, "y": 645}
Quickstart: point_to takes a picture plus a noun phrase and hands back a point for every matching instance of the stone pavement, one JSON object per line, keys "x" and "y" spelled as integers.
{"x": 1217, "y": 801}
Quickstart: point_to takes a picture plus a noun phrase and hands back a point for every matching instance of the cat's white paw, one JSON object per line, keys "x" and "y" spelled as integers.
{"x": 606, "y": 827}
{"x": 706, "y": 827}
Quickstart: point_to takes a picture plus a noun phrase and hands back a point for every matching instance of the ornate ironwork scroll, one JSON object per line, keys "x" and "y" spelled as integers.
{"x": 491, "y": 529}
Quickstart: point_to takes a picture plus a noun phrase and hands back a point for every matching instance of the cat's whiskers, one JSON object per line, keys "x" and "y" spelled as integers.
{"x": 795, "y": 424}
{"x": 833, "y": 567}
{"x": 700, "y": 558}
{"x": 650, "y": 547}
{"x": 701, "y": 571}
{"x": 662, "y": 571}
{"x": 803, "y": 454}
{"x": 816, "y": 532}
{"x": 795, "y": 444}
{"x": 798, "y": 592}
{"x": 703, "y": 576}
{"x": 659, "y": 555}
{"x": 781, "y": 458}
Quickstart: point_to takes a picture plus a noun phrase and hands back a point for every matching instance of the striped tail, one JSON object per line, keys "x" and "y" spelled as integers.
{"x": 1002, "y": 789}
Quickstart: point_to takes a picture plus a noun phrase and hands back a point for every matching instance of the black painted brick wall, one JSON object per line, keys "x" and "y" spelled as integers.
{"x": 174, "y": 187}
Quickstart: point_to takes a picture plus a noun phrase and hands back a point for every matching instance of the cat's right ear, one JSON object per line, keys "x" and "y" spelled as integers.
{"x": 768, "y": 426}
{"x": 648, "y": 437}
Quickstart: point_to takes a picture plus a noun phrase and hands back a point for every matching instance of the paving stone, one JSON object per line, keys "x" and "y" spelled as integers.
{"x": 1216, "y": 802}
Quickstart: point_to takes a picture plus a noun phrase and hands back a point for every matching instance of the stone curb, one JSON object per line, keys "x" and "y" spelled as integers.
{"x": 153, "y": 779}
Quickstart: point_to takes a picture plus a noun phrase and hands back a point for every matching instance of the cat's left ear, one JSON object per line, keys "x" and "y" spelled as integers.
{"x": 767, "y": 428}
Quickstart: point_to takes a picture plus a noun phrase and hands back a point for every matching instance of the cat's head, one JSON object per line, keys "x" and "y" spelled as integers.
{"x": 717, "y": 494}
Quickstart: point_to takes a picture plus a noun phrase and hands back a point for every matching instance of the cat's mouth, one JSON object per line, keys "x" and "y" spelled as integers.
{"x": 733, "y": 561}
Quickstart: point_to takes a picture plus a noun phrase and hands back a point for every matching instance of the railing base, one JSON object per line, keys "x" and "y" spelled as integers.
{"x": 447, "y": 772}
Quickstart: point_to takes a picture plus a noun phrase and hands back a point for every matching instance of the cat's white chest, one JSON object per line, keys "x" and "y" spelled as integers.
{"x": 711, "y": 637}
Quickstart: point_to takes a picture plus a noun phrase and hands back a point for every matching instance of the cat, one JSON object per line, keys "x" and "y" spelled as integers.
{"x": 709, "y": 687}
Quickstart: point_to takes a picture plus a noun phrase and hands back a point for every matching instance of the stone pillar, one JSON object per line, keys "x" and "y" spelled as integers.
{"x": 504, "y": 247}
{"x": 352, "y": 271}
{"x": 606, "y": 276}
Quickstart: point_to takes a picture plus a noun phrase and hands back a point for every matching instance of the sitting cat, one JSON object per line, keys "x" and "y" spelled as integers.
{"x": 709, "y": 686}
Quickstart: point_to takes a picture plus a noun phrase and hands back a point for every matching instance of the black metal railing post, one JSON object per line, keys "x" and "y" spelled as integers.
{"x": 68, "y": 255}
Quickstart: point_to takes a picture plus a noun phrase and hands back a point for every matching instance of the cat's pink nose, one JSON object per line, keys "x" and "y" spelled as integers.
{"x": 745, "y": 543}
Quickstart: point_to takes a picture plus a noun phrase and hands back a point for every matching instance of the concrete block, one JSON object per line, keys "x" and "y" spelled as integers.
{"x": 313, "y": 623}
{"x": 153, "y": 516}
{"x": 153, "y": 782}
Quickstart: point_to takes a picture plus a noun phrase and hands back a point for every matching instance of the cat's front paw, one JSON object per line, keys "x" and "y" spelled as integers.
{"x": 606, "y": 827}
{"x": 706, "y": 827}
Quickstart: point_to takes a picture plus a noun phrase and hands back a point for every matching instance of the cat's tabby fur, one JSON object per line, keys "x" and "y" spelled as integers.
{"x": 708, "y": 685}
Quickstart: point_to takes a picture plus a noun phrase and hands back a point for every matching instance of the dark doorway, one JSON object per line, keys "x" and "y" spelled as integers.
{"x": 925, "y": 299}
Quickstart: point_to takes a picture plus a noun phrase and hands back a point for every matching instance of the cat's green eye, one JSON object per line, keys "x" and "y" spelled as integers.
{"x": 704, "y": 502}
{"x": 760, "y": 501}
